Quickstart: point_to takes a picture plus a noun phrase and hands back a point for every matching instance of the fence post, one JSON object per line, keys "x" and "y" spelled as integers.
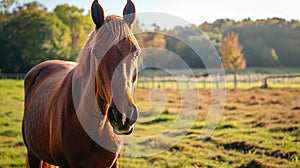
{"x": 153, "y": 83}
{"x": 265, "y": 83}
{"x": 188, "y": 83}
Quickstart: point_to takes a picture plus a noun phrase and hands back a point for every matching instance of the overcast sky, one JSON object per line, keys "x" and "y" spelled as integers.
{"x": 196, "y": 11}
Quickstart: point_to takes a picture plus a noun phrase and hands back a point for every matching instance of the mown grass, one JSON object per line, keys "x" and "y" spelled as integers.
{"x": 258, "y": 128}
{"x": 12, "y": 149}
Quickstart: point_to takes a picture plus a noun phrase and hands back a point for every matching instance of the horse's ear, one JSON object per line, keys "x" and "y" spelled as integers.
{"x": 97, "y": 14}
{"x": 129, "y": 12}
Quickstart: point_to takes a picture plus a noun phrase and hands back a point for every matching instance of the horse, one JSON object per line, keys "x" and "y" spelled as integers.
{"x": 76, "y": 114}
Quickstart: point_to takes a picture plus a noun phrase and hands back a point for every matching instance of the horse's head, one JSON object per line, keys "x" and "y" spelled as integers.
{"x": 117, "y": 51}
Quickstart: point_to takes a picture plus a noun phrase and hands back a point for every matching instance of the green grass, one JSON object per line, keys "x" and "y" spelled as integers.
{"x": 12, "y": 149}
{"x": 259, "y": 128}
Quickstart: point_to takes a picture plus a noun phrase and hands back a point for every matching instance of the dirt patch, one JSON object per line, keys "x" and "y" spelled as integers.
{"x": 253, "y": 164}
{"x": 250, "y": 148}
{"x": 176, "y": 148}
{"x": 241, "y": 146}
{"x": 284, "y": 129}
{"x": 155, "y": 143}
{"x": 283, "y": 154}
{"x": 261, "y": 124}
{"x": 218, "y": 158}
{"x": 252, "y": 103}
{"x": 230, "y": 108}
{"x": 208, "y": 139}
{"x": 296, "y": 108}
{"x": 256, "y": 123}
{"x": 249, "y": 115}
{"x": 156, "y": 121}
{"x": 274, "y": 102}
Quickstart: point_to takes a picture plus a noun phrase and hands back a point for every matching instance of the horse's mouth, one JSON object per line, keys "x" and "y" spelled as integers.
{"x": 124, "y": 133}
{"x": 119, "y": 127}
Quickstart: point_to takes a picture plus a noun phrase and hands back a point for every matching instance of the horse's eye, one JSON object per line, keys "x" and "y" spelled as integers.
{"x": 136, "y": 54}
{"x": 118, "y": 51}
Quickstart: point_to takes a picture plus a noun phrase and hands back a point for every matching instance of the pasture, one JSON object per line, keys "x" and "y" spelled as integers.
{"x": 259, "y": 128}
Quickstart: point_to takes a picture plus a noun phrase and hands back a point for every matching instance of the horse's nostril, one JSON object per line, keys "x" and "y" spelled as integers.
{"x": 113, "y": 115}
{"x": 133, "y": 116}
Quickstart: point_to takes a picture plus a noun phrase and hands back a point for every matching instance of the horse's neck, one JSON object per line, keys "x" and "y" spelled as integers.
{"x": 91, "y": 114}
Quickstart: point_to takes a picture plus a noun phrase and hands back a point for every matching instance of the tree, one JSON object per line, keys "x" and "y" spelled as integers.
{"x": 153, "y": 41}
{"x": 31, "y": 36}
{"x": 79, "y": 25}
{"x": 5, "y": 5}
{"x": 259, "y": 54}
{"x": 191, "y": 51}
{"x": 231, "y": 54}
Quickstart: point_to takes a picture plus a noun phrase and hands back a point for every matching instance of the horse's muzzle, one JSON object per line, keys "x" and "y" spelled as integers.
{"x": 122, "y": 122}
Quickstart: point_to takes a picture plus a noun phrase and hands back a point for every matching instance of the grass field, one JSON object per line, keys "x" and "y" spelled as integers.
{"x": 259, "y": 128}
{"x": 12, "y": 149}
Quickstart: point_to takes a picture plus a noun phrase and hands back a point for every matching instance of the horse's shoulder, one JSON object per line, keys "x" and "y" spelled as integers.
{"x": 44, "y": 70}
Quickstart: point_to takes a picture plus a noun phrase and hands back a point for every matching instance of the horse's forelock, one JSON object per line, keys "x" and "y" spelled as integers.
{"x": 102, "y": 39}
{"x": 113, "y": 31}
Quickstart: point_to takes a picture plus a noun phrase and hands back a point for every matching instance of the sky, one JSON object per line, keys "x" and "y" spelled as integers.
{"x": 196, "y": 11}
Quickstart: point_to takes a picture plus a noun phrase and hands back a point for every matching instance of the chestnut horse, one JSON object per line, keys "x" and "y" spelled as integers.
{"x": 75, "y": 114}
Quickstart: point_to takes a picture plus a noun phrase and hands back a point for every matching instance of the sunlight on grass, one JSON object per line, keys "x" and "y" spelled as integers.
{"x": 12, "y": 149}
{"x": 259, "y": 128}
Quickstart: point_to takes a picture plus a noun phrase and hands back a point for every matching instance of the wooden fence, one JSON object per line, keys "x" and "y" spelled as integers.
{"x": 182, "y": 82}
{"x": 216, "y": 81}
{"x": 17, "y": 76}
{"x": 281, "y": 79}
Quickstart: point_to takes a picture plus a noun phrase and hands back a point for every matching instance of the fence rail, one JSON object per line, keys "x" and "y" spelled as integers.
{"x": 216, "y": 81}
{"x": 279, "y": 79}
{"x": 18, "y": 76}
{"x": 183, "y": 82}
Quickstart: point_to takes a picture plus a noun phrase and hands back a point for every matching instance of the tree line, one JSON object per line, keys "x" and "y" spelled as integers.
{"x": 30, "y": 34}
{"x": 271, "y": 42}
